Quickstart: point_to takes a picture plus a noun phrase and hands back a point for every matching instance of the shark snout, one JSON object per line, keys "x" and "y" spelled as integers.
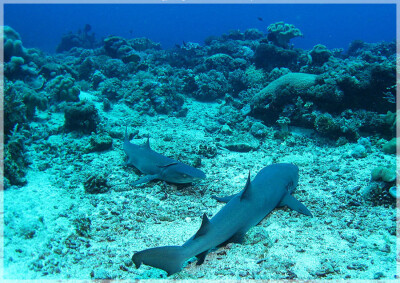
{"x": 182, "y": 173}
{"x": 199, "y": 175}
{"x": 193, "y": 176}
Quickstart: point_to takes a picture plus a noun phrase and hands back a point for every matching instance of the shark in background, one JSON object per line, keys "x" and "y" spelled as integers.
{"x": 271, "y": 188}
{"x": 158, "y": 166}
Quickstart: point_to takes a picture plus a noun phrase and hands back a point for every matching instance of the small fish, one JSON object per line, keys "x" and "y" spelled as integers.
{"x": 87, "y": 28}
{"x": 260, "y": 19}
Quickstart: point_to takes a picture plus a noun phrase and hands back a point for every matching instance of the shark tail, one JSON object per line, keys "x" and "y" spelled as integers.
{"x": 167, "y": 258}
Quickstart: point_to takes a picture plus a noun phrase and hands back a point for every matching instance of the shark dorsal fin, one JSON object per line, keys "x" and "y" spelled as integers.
{"x": 126, "y": 138}
{"x": 246, "y": 191}
{"x": 147, "y": 145}
{"x": 205, "y": 224}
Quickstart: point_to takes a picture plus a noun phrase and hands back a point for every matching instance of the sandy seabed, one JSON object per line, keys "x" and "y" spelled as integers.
{"x": 53, "y": 229}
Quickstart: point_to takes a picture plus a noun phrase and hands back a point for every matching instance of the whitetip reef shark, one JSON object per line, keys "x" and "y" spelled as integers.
{"x": 158, "y": 166}
{"x": 271, "y": 188}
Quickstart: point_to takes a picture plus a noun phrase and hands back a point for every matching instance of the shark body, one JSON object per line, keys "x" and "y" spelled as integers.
{"x": 272, "y": 187}
{"x": 158, "y": 166}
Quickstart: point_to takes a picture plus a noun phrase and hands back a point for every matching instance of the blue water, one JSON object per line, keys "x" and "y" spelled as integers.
{"x": 334, "y": 25}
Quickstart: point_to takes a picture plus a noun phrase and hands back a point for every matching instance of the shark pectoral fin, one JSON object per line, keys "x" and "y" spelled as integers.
{"x": 201, "y": 257}
{"x": 145, "y": 179}
{"x": 236, "y": 238}
{"x": 291, "y": 202}
{"x": 128, "y": 162}
{"x": 224, "y": 199}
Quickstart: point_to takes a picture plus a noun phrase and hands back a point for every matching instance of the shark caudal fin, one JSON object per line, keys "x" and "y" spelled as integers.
{"x": 168, "y": 258}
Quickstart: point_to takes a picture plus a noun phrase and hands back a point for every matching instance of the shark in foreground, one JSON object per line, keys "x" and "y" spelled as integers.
{"x": 158, "y": 166}
{"x": 271, "y": 188}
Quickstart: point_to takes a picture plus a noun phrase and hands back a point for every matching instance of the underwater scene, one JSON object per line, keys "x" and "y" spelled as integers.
{"x": 252, "y": 151}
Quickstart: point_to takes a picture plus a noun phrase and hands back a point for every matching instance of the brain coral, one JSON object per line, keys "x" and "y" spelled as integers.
{"x": 296, "y": 83}
{"x": 269, "y": 103}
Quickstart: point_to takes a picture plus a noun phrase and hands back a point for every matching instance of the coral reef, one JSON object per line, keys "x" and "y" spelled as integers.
{"x": 111, "y": 88}
{"x": 390, "y": 146}
{"x": 15, "y": 161}
{"x": 63, "y": 88}
{"x": 269, "y": 103}
{"x": 207, "y": 150}
{"x": 81, "y": 116}
{"x": 281, "y": 33}
{"x": 246, "y": 65}
{"x": 220, "y": 62}
{"x": 143, "y": 43}
{"x": 386, "y": 174}
{"x": 211, "y": 85}
{"x": 239, "y": 102}
{"x": 118, "y": 47}
{"x": 99, "y": 142}
{"x": 380, "y": 190}
{"x": 86, "y": 69}
{"x": 20, "y": 103}
{"x": 240, "y": 143}
{"x": 259, "y": 130}
{"x": 15, "y": 110}
{"x": 82, "y": 39}
{"x": 241, "y": 64}
{"x": 82, "y": 225}
{"x": 319, "y": 55}
{"x": 12, "y": 44}
{"x": 269, "y": 56}
{"x": 96, "y": 183}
